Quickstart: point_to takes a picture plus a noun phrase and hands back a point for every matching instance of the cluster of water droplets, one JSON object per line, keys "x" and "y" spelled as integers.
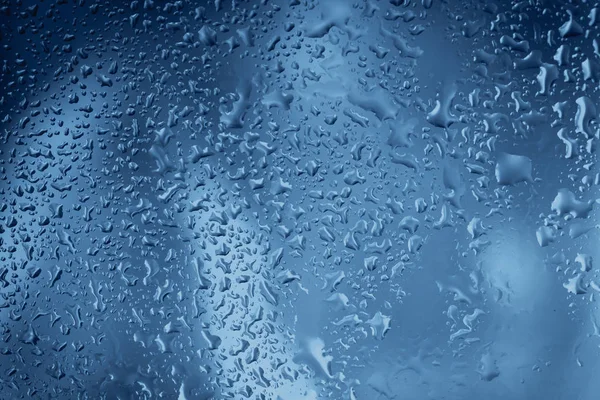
{"x": 296, "y": 199}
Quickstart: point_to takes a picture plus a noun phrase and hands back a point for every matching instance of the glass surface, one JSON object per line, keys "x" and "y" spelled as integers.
{"x": 299, "y": 199}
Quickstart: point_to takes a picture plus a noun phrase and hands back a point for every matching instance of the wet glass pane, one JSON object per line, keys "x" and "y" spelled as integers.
{"x": 299, "y": 199}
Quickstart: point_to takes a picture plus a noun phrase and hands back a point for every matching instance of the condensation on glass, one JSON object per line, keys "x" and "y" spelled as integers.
{"x": 299, "y": 199}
